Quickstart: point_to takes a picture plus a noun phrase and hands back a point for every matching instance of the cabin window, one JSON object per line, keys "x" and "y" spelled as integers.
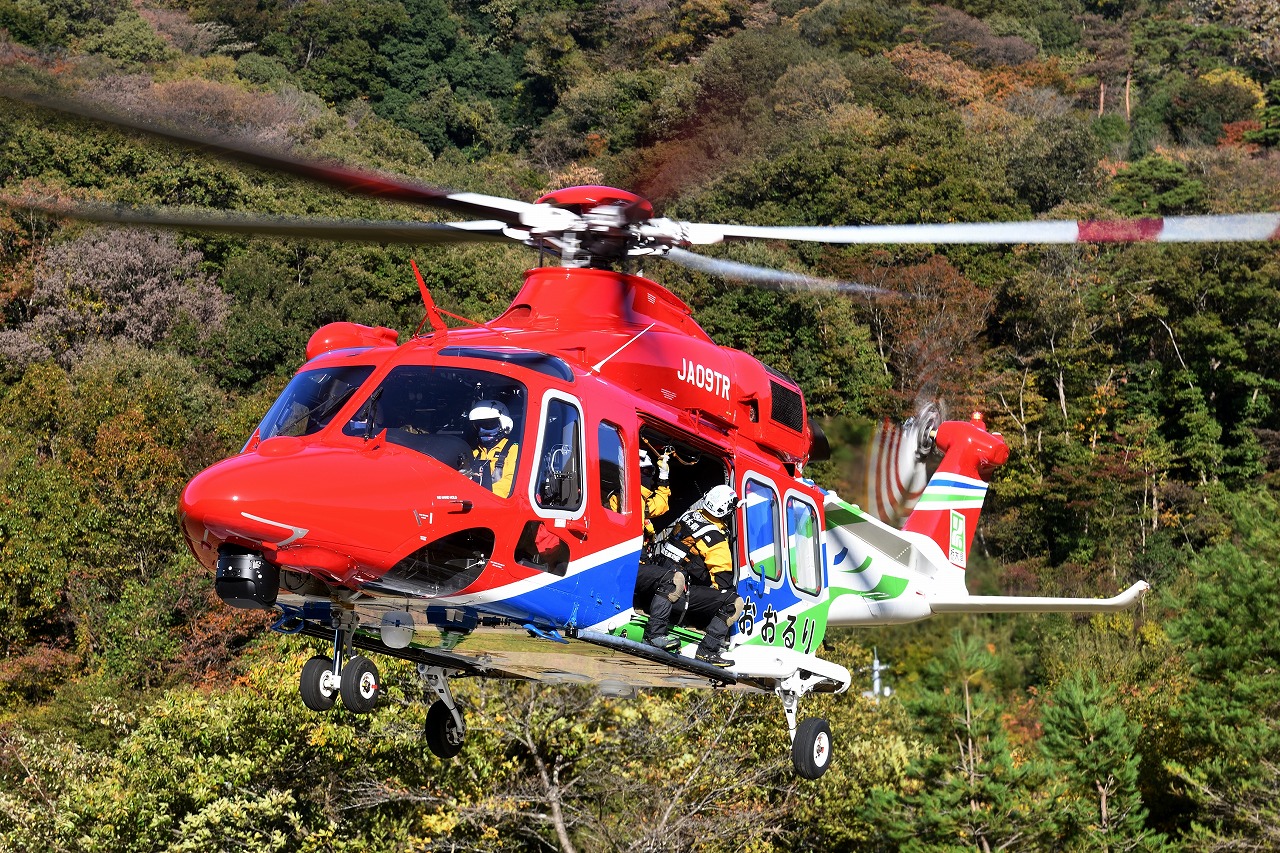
{"x": 558, "y": 484}
{"x": 804, "y": 546}
{"x": 311, "y": 399}
{"x": 613, "y": 491}
{"x": 764, "y": 543}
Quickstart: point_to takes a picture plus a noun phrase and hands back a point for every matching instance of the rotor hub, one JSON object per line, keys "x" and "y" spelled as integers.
{"x": 606, "y": 227}
{"x": 631, "y": 208}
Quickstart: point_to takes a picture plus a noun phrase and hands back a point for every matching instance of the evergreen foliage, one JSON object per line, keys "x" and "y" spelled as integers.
{"x": 1269, "y": 134}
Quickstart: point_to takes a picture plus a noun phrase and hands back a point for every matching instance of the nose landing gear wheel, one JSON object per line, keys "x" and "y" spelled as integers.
{"x": 811, "y": 749}
{"x": 318, "y": 686}
{"x": 444, "y": 738}
{"x": 359, "y": 685}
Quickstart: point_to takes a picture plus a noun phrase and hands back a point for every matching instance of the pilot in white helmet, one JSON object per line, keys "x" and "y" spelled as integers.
{"x": 493, "y": 460}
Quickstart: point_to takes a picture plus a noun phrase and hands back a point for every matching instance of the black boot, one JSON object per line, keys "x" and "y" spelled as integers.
{"x": 656, "y": 633}
{"x": 712, "y": 642}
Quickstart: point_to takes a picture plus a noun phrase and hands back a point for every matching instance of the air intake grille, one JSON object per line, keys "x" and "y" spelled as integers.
{"x": 787, "y": 407}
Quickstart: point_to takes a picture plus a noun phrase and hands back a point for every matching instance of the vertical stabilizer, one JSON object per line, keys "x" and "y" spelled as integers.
{"x": 948, "y": 510}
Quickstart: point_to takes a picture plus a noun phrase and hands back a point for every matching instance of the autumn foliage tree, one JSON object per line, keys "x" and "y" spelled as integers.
{"x": 114, "y": 285}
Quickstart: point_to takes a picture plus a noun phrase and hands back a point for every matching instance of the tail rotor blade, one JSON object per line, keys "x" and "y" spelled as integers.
{"x": 898, "y": 462}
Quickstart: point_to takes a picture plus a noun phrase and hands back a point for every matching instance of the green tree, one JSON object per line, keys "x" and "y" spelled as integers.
{"x": 130, "y": 40}
{"x": 972, "y": 791}
{"x": 854, "y": 25}
{"x": 1093, "y": 746}
{"x": 47, "y": 23}
{"x": 87, "y": 532}
{"x": 1204, "y": 104}
{"x": 1055, "y": 163}
{"x": 1157, "y": 186}
{"x": 333, "y": 45}
{"x": 446, "y": 77}
{"x": 1269, "y": 134}
{"x": 1228, "y": 720}
{"x": 1257, "y": 22}
{"x": 1198, "y": 441}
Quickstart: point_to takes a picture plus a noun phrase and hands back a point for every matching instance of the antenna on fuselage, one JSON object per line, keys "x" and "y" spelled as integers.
{"x": 433, "y": 314}
{"x": 630, "y": 341}
{"x": 877, "y": 667}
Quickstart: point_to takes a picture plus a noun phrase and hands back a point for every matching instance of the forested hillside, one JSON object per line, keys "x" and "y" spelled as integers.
{"x": 1137, "y": 387}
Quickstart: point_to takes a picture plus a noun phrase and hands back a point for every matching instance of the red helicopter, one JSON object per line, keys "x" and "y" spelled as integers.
{"x": 358, "y": 510}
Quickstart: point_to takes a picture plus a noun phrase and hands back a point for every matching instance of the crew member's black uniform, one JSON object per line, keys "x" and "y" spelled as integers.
{"x": 697, "y": 553}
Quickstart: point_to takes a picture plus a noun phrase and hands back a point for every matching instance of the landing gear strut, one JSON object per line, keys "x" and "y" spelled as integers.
{"x": 445, "y": 729}
{"x": 356, "y": 681}
{"x": 811, "y": 739}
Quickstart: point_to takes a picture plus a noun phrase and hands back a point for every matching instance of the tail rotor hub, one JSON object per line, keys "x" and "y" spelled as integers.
{"x": 926, "y": 422}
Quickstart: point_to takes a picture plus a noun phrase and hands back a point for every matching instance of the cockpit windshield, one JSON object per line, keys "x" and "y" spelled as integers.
{"x": 471, "y": 420}
{"x": 311, "y": 399}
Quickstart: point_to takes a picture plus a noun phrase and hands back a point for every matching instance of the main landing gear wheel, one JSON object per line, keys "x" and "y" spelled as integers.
{"x": 359, "y": 685}
{"x": 444, "y": 738}
{"x": 445, "y": 729}
{"x": 318, "y": 686}
{"x": 811, "y": 748}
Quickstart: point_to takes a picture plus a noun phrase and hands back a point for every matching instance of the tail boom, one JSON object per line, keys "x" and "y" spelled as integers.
{"x": 878, "y": 575}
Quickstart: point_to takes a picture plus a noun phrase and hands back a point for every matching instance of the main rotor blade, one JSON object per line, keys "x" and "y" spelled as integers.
{"x": 508, "y": 211}
{"x": 1232, "y": 228}
{"x": 765, "y": 277}
{"x": 416, "y": 233}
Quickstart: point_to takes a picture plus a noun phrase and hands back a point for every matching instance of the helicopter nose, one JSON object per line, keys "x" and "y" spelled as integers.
{"x": 358, "y": 506}
{"x": 233, "y": 500}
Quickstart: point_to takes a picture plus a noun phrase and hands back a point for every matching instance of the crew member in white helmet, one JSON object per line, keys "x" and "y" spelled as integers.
{"x": 697, "y": 566}
{"x": 493, "y": 459}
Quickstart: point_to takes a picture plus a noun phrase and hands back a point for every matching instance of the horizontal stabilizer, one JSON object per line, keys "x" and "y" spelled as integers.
{"x": 1034, "y": 604}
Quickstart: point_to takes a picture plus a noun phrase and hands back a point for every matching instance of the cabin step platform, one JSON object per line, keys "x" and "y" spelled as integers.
{"x": 656, "y": 655}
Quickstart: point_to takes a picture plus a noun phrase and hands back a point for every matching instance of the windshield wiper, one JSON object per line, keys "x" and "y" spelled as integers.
{"x": 370, "y": 409}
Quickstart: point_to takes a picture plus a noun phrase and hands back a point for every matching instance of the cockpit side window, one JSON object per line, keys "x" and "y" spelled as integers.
{"x": 311, "y": 399}
{"x": 558, "y": 485}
